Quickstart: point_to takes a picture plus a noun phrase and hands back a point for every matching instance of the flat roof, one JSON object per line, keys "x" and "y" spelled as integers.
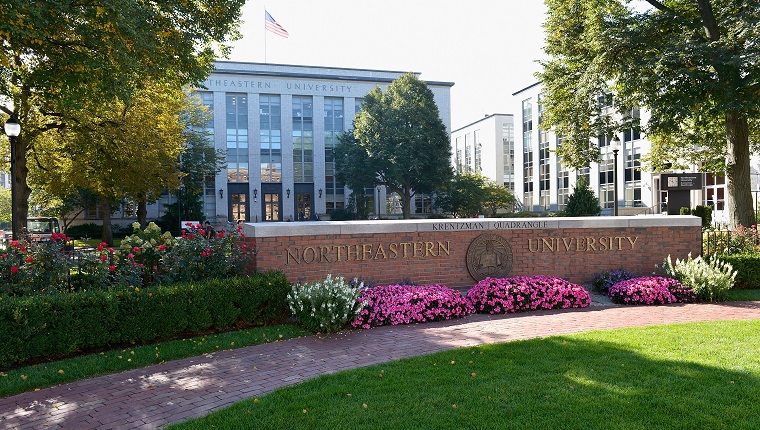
{"x": 316, "y": 75}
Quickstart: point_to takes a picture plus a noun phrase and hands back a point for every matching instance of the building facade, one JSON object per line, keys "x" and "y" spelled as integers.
{"x": 277, "y": 125}
{"x": 543, "y": 184}
{"x": 487, "y": 147}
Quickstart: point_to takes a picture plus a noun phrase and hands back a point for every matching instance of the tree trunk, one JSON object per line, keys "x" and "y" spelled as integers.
{"x": 105, "y": 210}
{"x": 142, "y": 213}
{"x": 738, "y": 182}
{"x": 20, "y": 187}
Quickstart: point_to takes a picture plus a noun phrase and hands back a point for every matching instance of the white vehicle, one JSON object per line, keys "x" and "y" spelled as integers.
{"x": 42, "y": 228}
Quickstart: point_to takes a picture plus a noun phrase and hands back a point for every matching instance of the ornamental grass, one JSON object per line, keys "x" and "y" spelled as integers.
{"x": 651, "y": 290}
{"x": 526, "y": 293}
{"x": 405, "y": 304}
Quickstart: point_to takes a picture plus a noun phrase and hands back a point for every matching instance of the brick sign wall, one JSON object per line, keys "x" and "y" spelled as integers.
{"x": 459, "y": 252}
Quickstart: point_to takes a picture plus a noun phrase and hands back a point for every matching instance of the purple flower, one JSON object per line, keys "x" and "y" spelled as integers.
{"x": 651, "y": 290}
{"x": 523, "y": 293}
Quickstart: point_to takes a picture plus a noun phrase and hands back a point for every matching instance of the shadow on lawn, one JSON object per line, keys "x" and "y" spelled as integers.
{"x": 651, "y": 378}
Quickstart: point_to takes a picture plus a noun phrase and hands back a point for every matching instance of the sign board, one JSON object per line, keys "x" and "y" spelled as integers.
{"x": 681, "y": 181}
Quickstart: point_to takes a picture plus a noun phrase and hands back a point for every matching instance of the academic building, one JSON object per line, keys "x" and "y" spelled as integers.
{"x": 277, "y": 125}
{"x": 514, "y": 151}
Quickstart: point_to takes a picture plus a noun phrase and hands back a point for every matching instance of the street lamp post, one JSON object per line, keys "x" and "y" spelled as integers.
{"x": 615, "y": 149}
{"x": 13, "y": 129}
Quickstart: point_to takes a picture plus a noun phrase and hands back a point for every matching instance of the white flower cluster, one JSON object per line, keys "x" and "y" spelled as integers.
{"x": 709, "y": 280}
{"x": 325, "y": 306}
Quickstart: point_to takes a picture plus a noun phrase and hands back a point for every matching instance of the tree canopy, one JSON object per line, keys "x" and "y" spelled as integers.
{"x": 693, "y": 64}
{"x": 56, "y": 57}
{"x": 470, "y": 194}
{"x": 399, "y": 140}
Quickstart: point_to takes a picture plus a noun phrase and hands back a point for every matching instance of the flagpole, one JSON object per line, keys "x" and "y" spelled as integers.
{"x": 265, "y": 34}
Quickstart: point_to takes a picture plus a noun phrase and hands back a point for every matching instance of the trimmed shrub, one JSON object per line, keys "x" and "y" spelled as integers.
{"x": 327, "y": 306}
{"x": 747, "y": 268}
{"x": 704, "y": 212}
{"x": 709, "y": 280}
{"x": 650, "y": 290}
{"x": 51, "y": 326}
{"x": 603, "y": 281}
{"x": 405, "y": 304}
{"x": 526, "y": 293}
{"x": 684, "y": 211}
{"x": 583, "y": 201}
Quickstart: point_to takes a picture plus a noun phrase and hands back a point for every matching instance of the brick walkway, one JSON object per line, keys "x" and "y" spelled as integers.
{"x": 151, "y": 397}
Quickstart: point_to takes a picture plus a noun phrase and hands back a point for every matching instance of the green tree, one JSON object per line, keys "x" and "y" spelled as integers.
{"x": 498, "y": 197}
{"x": 5, "y": 206}
{"x": 465, "y": 196}
{"x": 199, "y": 162}
{"x": 583, "y": 201}
{"x": 401, "y": 140}
{"x": 692, "y": 64}
{"x": 352, "y": 167}
{"x": 118, "y": 150}
{"x": 56, "y": 56}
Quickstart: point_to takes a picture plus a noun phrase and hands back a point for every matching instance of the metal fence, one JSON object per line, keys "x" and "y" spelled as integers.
{"x": 722, "y": 240}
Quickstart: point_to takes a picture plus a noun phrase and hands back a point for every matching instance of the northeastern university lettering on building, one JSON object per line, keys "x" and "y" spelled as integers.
{"x": 460, "y": 252}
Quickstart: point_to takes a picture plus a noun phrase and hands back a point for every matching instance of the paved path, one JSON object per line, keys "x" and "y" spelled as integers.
{"x": 151, "y": 397}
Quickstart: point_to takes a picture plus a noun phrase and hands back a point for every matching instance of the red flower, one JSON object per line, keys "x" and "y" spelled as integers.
{"x": 104, "y": 257}
{"x": 136, "y": 249}
{"x": 103, "y": 244}
{"x": 29, "y": 259}
{"x": 112, "y": 268}
{"x": 110, "y": 250}
{"x": 14, "y": 269}
{"x": 5, "y": 256}
{"x": 14, "y": 243}
{"x": 161, "y": 247}
{"x": 100, "y": 248}
{"x": 220, "y": 235}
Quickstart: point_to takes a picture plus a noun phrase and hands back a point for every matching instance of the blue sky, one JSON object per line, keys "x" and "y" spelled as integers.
{"x": 488, "y": 48}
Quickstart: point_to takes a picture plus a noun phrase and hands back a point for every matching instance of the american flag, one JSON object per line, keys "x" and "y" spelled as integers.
{"x": 273, "y": 26}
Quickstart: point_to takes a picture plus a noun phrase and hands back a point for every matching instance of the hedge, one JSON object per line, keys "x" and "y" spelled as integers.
{"x": 51, "y": 326}
{"x": 747, "y": 267}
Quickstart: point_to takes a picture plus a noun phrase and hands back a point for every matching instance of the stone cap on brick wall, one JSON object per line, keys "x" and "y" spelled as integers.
{"x": 318, "y": 228}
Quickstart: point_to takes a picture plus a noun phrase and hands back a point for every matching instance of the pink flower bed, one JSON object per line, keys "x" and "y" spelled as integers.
{"x": 404, "y": 304}
{"x": 651, "y": 290}
{"x": 526, "y": 293}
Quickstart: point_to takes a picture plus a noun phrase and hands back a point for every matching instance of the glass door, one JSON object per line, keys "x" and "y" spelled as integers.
{"x": 272, "y": 207}
{"x": 238, "y": 207}
{"x": 303, "y": 206}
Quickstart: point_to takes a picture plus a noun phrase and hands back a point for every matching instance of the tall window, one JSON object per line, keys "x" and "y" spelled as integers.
{"x": 606, "y": 181}
{"x": 632, "y": 191}
{"x": 422, "y": 203}
{"x": 527, "y": 119}
{"x": 467, "y": 154}
{"x": 270, "y": 137}
{"x": 563, "y": 187}
{"x": 303, "y": 139}
{"x": 478, "y": 150}
{"x": 334, "y": 195}
{"x": 209, "y": 182}
{"x": 358, "y": 105}
{"x": 237, "y": 137}
{"x": 508, "y": 146}
{"x": 544, "y": 172}
{"x": 458, "y": 149}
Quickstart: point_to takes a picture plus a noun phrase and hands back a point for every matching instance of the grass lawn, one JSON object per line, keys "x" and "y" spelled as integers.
{"x": 52, "y": 373}
{"x": 690, "y": 376}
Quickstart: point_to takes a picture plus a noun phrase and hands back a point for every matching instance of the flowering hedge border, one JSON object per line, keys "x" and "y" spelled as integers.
{"x": 651, "y": 290}
{"x": 526, "y": 293}
{"x": 405, "y": 304}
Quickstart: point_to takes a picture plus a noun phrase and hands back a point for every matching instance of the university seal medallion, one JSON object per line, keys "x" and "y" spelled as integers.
{"x": 489, "y": 255}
